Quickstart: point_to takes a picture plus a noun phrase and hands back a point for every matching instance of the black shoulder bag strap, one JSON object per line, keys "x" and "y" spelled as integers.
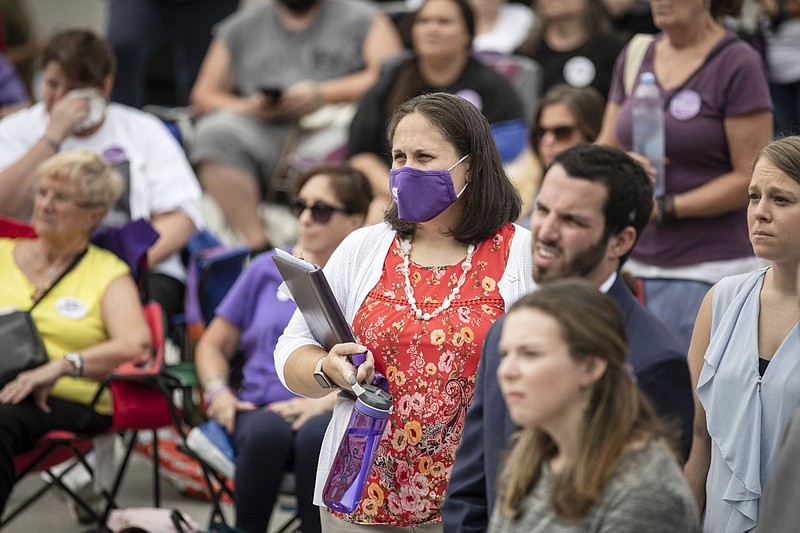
{"x": 72, "y": 265}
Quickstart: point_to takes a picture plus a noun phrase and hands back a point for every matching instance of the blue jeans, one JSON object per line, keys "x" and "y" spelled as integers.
{"x": 786, "y": 99}
{"x": 675, "y": 302}
{"x": 137, "y": 27}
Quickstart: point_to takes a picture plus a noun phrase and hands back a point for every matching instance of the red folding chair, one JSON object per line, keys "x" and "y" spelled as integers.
{"x": 141, "y": 394}
{"x": 13, "y": 228}
{"x": 142, "y": 399}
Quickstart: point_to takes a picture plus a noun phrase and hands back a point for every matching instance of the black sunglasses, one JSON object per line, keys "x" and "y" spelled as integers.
{"x": 561, "y": 133}
{"x": 320, "y": 212}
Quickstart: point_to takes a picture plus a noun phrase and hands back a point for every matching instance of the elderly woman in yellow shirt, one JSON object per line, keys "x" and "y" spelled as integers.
{"x": 90, "y": 320}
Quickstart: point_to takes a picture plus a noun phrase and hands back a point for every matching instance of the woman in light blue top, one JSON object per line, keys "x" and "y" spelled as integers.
{"x": 743, "y": 355}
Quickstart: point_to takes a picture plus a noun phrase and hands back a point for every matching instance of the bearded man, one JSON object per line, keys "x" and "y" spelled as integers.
{"x": 593, "y": 204}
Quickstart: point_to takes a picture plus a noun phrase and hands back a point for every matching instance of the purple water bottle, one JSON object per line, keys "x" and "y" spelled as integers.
{"x": 356, "y": 454}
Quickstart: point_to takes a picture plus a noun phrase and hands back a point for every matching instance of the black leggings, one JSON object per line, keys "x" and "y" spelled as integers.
{"x": 23, "y": 424}
{"x": 266, "y": 447}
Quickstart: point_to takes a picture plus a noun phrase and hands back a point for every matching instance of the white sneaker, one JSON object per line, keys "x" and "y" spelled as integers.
{"x": 213, "y": 445}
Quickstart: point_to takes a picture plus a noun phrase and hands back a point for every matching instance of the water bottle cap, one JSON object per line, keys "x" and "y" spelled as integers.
{"x": 647, "y": 77}
{"x": 377, "y": 402}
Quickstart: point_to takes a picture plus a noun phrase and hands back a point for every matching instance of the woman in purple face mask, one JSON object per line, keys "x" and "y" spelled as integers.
{"x": 420, "y": 291}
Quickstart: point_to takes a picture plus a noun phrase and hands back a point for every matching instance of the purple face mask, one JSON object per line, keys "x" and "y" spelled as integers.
{"x": 422, "y": 195}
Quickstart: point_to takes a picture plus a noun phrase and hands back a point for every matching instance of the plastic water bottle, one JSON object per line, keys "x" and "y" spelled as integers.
{"x": 648, "y": 126}
{"x": 356, "y": 453}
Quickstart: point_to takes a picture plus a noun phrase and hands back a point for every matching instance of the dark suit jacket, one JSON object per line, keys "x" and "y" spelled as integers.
{"x": 661, "y": 371}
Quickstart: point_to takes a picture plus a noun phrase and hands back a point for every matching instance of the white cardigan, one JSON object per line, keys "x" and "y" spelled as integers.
{"x": 352, "y": 271}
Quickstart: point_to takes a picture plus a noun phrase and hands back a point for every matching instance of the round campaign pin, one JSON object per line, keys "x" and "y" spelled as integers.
{"x": 685, "y": 105}
{"x": 579, "y": 71}
{"x": 472, "y": 97}
{"x": 71, "y": 308}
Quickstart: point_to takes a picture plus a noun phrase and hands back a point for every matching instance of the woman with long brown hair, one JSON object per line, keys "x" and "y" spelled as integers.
{"x": 573, "y": 42}
{"x": 592, "y": 455}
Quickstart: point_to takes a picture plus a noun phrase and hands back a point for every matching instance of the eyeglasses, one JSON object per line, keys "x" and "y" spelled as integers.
{"x": 320, "y": 212}
{"x": 59, "y": 198}
{"x": 561, "y": 133}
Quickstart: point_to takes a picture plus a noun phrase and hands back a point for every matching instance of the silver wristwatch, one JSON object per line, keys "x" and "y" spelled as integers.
{"x": 76, "y": 361}
{"x": 320, "y": 376}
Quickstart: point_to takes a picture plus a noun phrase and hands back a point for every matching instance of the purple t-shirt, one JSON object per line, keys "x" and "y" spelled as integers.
{"x": 12, "y": 90}
{"x": 732, "y": 84}
{"x": 253, "y": 306}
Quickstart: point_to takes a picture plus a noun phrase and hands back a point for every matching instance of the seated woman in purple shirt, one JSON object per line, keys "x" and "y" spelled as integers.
{"x": 273, "y": 429}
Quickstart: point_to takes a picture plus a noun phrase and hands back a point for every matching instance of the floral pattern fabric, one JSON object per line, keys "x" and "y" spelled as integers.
{"x": 431, "y": 367}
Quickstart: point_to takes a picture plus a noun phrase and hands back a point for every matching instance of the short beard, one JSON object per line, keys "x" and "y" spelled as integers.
{"x": 581, "y": 265}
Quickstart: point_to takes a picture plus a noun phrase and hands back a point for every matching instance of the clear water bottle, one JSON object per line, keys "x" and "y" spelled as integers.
{"x": 648, "y": 126}
{"x": 356, "y": 453}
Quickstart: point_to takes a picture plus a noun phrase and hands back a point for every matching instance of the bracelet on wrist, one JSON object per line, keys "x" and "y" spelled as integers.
{"x": 665, "y": 208}
{"x": 52, "y": 143}
{"x": 210, "y": 396}
{"x": 213, "y": 382}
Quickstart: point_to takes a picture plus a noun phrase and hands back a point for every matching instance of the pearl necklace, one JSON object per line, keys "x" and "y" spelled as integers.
{"x": 466, "y": 266}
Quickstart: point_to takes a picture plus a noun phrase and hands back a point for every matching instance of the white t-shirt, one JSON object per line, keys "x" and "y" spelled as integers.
{"x": 783, "y": 52}
{"x": 510, "y": 29}
{"x": 160, "y": 177}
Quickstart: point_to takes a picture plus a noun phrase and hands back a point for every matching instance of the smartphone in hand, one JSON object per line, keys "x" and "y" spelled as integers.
{"x": 273, "y": 94}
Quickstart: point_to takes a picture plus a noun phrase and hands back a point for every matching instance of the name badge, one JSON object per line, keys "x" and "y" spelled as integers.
{"x": 685, "y": 105}
{"x": 579, "y": 71}
{"x": 71, "y": 308}
{"x": 472, "y": 97}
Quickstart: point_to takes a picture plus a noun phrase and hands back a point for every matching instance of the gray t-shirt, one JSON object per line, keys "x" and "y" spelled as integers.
{"x": 647, "y": 495}
{"x": 264, "y": 53}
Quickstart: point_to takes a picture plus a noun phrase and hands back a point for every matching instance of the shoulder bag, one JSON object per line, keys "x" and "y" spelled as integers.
{"x": 23, "y": 348}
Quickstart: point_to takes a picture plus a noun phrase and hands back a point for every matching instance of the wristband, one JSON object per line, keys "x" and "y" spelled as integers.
{"x": 213, "y": 382}
{"x": 211, "y": 395}
{"x": 52, "y": 143}
{"x": 212, "y": 387}
{"x": 665, "y": 209}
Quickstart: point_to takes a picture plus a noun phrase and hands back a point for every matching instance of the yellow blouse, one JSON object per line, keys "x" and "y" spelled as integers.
{"x": 70, "y": 317}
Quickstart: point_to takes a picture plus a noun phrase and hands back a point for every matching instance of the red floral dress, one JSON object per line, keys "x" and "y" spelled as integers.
{"x": 431, "y": 369}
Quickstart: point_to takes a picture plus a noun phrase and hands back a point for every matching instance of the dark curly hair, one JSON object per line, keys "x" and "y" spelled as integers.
{"x": 630, "y": 193}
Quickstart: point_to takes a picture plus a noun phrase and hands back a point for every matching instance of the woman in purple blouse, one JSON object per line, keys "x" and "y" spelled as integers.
{"x": 274, "y": 430}
{"x": 718, "y": 115}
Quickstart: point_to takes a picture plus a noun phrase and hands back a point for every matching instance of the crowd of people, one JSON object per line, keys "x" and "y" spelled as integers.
{"x": 568, "y": 353}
